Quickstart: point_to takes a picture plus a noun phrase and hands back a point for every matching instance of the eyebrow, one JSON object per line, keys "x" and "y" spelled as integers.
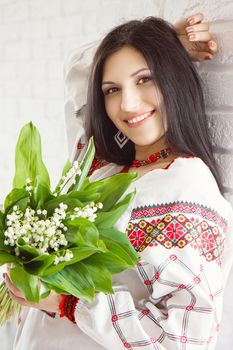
{"x": 132, "y": 75}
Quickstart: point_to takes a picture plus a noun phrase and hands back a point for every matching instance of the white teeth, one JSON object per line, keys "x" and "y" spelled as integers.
{"x": 139, "y": 118}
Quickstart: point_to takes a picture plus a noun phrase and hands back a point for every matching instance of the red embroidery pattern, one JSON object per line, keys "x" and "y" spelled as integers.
{"x": 67, "y": 306}
{"x": 178, "y": 207}
{"x": 117, "y": 323}
{"x": 97, "y": 164}
{"x": 50, "y": 314}
{"x": 178, "y": 230}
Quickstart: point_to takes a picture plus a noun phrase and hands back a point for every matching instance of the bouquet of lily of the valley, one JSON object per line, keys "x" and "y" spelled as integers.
{"x": 61, "y": 239}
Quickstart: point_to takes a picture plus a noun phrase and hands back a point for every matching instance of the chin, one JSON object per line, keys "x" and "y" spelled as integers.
{"x": 146, "y": 142}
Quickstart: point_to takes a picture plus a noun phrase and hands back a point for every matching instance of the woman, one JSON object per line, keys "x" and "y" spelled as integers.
{"x": 145, "y": 109}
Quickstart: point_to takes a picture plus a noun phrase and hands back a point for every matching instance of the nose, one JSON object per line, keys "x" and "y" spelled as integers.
{"x": 130, "y": 100}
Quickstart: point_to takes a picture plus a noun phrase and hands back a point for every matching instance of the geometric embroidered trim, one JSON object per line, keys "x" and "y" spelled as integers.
{"x": 178, "y": 231}
{"x": 178, "y": 207}
{"x": 97, "y": 164}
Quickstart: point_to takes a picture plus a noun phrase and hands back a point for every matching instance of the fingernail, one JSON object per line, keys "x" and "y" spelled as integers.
{"x": 191, "y": 37}
{"x": 189, "y": 29}
{"x": 212, "y": 44}
{"x": 190, "y": 21}
{"x": 207, "y": 58}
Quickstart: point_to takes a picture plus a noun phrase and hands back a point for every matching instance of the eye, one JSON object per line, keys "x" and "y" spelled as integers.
{"x": 110, "y": 91}
{"x": 143, "y": 80}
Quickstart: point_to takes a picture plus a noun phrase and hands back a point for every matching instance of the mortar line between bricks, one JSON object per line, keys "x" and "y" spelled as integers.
{"x": 220, "y": 21}
{"x": 216, "y": 67}
{"x": 220, "y": 109}
{"x": 222, "y": 150}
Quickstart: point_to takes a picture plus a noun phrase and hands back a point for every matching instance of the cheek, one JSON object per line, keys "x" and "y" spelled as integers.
{"x": 153, "y": 96}
{"x": 112, "y": 108}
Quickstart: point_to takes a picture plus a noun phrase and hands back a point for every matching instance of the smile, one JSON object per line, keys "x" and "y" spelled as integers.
{"x": 139, "y": 118}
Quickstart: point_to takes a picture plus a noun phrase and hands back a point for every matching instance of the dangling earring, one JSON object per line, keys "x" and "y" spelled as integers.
{"x": 120, "y": 139}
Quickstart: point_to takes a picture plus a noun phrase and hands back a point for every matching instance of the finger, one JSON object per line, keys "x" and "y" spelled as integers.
{"x": 199, "y": 36}
{"x": 11, "y": 287}
{"x": 201, "y": 56}
{"x": 19, "y": 300}
{"x": 201, "y": 27}
{"x": 180, "y": 26}
{"x": 194, "y": 19}
{"x": 213, "y": 46}
{"x": 183, "y": 23}
{"x": 23, "y": 302}
{"x": 205, "y": 47}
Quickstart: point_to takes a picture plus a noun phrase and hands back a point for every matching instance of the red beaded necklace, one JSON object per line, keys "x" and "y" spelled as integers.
{"x": 164, "y": 153}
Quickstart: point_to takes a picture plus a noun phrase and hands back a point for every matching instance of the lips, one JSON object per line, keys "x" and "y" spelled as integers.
{"x": 138, "y": 119}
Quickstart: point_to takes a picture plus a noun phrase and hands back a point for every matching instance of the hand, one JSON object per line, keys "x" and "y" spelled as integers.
{"x": 49, "y": 304}
{"x": 194, "y": 35}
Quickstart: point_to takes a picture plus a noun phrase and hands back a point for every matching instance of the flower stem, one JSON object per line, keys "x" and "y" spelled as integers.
{"x": 8, "y": 307}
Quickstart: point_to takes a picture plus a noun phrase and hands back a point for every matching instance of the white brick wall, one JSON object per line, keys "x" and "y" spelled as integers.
{"x": 36, "y": 37}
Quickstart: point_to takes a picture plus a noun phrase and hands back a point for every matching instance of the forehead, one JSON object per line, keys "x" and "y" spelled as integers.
{"x": 124, "y": 62}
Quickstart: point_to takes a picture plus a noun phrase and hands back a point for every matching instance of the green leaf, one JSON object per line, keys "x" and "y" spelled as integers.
{"x": 108, "y": 219}
{"x": 84, "y": 196}
{"x": 66, "y": 168}
{"x": 120, "y": 255}
{"x": 86, "y": 234}
{"x": 28, "y": 157}
{"x": 41, "y": 193}
{"x": 27, "y": 253}
{"x": 2, "y": 239}
{"x": 6, "y": 257}
{"x": 14, "y": 197}
{"x": 100, "y": 275}
{"x": 112, "y": 188}
{"x": 118, "y": 243}
{"x": 84, "y": 166}
{"x": 22, "y": 204}
{"x": 2, "y": 230}
{"x": 39, "y": 264}
{"x": 56, "y": 289}
{"x": 2, "y": 219}
{"x": 45, "y": 294}
{"x": 75, "y": 280}
{"x": 26, "y": 283}
{"x": 54, "y": 203}
{"x": 86, "y": 182}
{"x": 111, "y": 261}
{"x": 79, "y": 253}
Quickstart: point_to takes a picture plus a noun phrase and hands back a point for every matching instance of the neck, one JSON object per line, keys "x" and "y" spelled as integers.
{"x": 143, "y": 152}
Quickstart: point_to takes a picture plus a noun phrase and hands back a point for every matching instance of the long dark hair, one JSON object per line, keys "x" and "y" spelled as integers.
{"x": 175, "y": 76}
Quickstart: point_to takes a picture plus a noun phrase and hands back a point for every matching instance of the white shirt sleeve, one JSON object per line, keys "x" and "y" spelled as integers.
{"x": 183, "y": 268}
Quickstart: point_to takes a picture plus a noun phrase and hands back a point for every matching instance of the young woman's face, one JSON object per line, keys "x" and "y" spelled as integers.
{"x": 132, "y": 100}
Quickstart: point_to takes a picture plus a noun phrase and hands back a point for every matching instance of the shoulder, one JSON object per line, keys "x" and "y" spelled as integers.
{"x": 181, "y": 170}
{"x": 189, "y": 171}
{"x": 186, "y": 180}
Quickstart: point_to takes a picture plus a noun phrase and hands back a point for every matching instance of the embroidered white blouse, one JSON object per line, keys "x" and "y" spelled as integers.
{"x": 182, "y": 228}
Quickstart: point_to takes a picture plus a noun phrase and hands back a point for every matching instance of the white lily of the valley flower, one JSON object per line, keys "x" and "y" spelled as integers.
{"x": 87, "y": 212}
{"x": 43, "y": 234}
{"x": 70, "y": 176}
